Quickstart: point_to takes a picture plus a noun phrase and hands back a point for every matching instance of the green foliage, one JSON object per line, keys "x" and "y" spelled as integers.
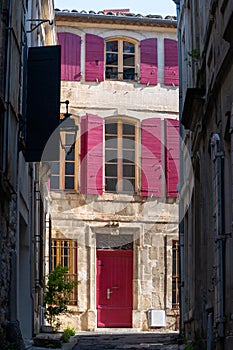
{"x": 194, "y": 54}
{"x": 57, "y": 295}
{"x": 67, "y": 333}
{"x": 189, "y": 347}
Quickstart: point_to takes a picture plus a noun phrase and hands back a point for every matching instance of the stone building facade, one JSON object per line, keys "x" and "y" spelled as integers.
{"x": 113, "y": 198}
{"x": 20, "y": 211}
{"x": 206, "y": 246}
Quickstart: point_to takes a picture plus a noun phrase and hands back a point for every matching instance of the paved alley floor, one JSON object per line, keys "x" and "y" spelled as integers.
{"x": 133, "y": 341}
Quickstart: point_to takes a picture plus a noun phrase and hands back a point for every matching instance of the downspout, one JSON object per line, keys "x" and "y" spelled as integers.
{"x": 165, "y": 272}
{"x": 32, "y": 255}
{"x": 37, "y": 230}
{"x": 50, "y": 244}
{"x": 181, "y": 180}
{"x": 217, "y": 157}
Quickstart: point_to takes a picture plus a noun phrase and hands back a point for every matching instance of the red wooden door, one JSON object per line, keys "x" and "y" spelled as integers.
{"x": 114, "y": 288}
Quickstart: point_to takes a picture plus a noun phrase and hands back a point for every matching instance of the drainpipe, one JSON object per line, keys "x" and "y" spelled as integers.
{"x": 218, "y": 224}
{"x": 165, "y": 272}
{"x": 181, "y": 180}
{"x": 37, "y": 230}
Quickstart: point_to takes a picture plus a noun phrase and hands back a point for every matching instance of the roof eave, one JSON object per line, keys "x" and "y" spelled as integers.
{"x": 95, "y": 18}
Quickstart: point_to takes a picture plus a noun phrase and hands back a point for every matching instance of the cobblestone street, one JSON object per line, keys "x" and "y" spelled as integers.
{"x": 133, "y": 341}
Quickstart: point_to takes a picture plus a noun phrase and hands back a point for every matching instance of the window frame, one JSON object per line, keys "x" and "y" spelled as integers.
{"x": 120, "y": 53}
{"x": 73, "y": 261}
{"x": 62, "y": 164}
{"x": 120, "y": 121}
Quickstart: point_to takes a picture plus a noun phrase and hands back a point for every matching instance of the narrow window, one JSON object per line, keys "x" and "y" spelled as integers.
{"x": 63, "y": 172}
{"x": 120, "y": 156}
{"x": 175, "y": 275}
{"x": 120, "y": 60}
{"x": 65, "y": 253}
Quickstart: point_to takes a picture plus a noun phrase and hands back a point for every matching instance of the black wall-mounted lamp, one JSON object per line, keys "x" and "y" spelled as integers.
{"x": 67, "y": 126}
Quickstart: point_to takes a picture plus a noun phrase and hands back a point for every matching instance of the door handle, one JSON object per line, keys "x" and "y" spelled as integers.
{"x": 108, "y": 293}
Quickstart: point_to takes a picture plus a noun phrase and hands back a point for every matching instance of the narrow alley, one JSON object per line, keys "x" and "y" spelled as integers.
{"x": 116, "y": 175}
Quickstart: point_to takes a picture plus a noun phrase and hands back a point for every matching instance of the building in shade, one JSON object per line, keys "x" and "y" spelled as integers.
{"x": 113, "y": 192}
{"x": 22, "y": 211}
{"x": 206, "y": 245}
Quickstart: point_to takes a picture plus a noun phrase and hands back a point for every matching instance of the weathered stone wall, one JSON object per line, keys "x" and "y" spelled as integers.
{"x": 8, "y": 164}
{"x": 17, "y": 264}
{"x": 154, "y": 226}
{"x": 206, "y": 280}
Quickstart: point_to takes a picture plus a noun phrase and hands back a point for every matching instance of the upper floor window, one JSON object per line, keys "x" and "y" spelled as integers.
{"x": 120, "y": 59}
{"x": 63, "y": 171}
{"x": 120, "y": 156}
{"x": 129, "y": 161}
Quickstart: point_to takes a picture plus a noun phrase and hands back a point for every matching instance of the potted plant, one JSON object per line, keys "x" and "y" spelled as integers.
{"x": 58, "y": 290}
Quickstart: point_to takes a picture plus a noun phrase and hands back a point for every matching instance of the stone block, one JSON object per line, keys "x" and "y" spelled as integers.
{"x": 146, "y": 302}
{"x": 153, "y": 253}
{"x": 137, "y": 321}
{"x": 147, "y": 238}
{"x": 144, "y": 256}
{"x": 91, "y": 320}
{"x": 147, "y": 287}
{"x": 48, "y": 340}
{"x": 157, "y": 241}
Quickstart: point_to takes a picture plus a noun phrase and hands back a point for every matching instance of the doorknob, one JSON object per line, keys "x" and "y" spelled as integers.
{"x": 108, "y": 293}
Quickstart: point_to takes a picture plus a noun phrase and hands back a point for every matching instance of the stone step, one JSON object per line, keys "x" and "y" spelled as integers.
{"x": 46, "y": 340}
{"x": 117, "y": 330}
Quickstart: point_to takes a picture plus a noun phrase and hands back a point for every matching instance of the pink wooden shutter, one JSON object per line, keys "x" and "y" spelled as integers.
{"x": 91, "y": 154}
{"x": 171, "y": 74}
{"x": 149, "y": 61}
{"x": 70, "y": 56}
{"x": 151, "y": 157}
{"x": 172, "y": 156}
{"x": 94, "y": 67}
{"x": 83, "y": 159}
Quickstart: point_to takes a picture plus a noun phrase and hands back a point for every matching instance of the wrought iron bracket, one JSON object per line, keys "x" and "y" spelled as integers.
{"x": 66, "y": 114}
{"x": 40, "y": 21}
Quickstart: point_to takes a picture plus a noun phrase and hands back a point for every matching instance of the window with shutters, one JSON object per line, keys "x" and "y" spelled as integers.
{"x": 151, "y": 157}
{"x": 172, "y": 156}
{"x": 171, "y": 74}
{"x": 121, "y": 154}
{"x": 149, "y": 61}
{"x": 70, "y": 56}
{"x": 121, "y": 58}
{"x": 65, "y": 253}
{"x": 64, "y": 170}
{"x": 175, "y": 275}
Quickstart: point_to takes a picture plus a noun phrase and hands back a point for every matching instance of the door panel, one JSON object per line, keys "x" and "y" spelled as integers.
{"x": 114, "y": 288}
